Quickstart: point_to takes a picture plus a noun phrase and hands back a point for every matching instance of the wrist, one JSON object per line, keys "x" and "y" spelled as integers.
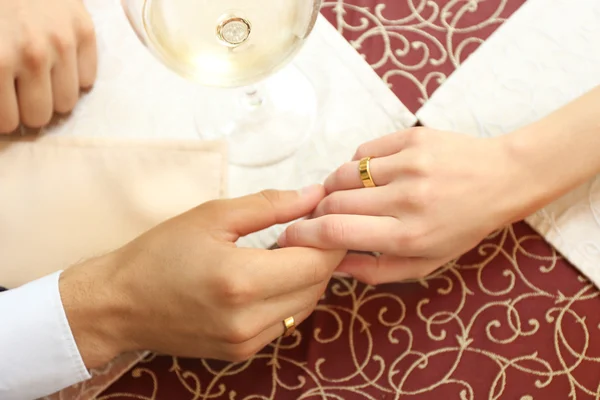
{"x": 96, "y": 310}
{"x": 532, "y": 164}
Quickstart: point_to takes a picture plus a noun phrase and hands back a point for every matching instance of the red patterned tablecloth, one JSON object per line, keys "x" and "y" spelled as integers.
{"x": 414, "y": 45}
{"x": 509, "y": 320}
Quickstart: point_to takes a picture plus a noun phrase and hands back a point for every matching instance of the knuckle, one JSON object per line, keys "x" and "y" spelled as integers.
{"x": 409, "y": 239}
{"x": 415, "y": 135}
{"x": 35, "y": 55}
{"x": 399, "y": 237}
{"x": 424, "y": 190}
{"x": 331, "y": 204}
{"x": 213, "y": 207}
{"x": 420, "y": 196}
{"x": 64, "y": 44}
{"x": 412, "y": 242}
{"x": 233, "y": 290}
{"x": 87, "y": 31}
{"x": 292, "y": 233}
{"x": 362, "y": 151}
{"x": 214, "y": 211}
{"x": 423, "y": 164}
{"x": 333, "y": 230}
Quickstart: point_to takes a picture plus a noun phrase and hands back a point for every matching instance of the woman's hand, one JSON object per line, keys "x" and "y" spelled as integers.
{"x": 438, "y": 195}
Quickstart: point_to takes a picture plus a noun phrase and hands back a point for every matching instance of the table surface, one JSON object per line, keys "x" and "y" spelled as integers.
{"x": 511, "y": 319}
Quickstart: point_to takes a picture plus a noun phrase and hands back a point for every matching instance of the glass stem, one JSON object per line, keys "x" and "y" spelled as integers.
{"x": 252, "y": 97}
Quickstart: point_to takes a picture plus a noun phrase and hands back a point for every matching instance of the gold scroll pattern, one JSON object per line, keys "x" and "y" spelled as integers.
{"x": 509, "y": 320}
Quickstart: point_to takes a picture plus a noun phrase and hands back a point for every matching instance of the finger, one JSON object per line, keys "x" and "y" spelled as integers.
{"x": 379, "y": 201}
{"x": 34, "y": 95}
{"x": 276, "y": 309}
{"x": 273, "y": 273}
{"x": 383, "y": 171}
{"x": 385, "y": 145}
{"x": 87, "y": 52}
{"x": 349, "y": 232}
{"x": 244, "y": 215}
{"x": 279, "y": 329}
{"x": 9, "y": 108}
{"x": 65, "y": 80}
{"x": 385, "y": 268}
{"x": 245, "y": 350}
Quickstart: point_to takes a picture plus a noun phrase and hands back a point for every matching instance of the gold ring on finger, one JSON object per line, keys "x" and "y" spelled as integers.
{"x": 290, "y": 326}
{"x": 364, "y": 169}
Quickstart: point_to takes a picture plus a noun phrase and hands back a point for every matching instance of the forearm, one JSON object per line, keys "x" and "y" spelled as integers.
{"x": 555, "y": 154}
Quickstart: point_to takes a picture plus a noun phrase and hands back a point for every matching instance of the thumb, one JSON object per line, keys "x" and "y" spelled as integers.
{"x": 248, "y": 214}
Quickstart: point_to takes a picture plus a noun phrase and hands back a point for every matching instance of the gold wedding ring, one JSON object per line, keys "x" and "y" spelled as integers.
{"x": 365, "y": 172}
{"x": 290, "y": 326}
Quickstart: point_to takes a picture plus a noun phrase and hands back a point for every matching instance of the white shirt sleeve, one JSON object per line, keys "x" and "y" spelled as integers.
{"x": 38, "y": 354}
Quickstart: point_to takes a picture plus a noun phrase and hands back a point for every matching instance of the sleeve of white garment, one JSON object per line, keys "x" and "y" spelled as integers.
{"x": 38, "y": 354}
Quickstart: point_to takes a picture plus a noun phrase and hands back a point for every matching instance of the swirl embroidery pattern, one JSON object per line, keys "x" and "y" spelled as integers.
{"x": 509, "y": 320}
{"x": 414, "y": 45}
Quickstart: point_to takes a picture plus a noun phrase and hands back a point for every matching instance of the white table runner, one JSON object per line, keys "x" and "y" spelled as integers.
{"x": 544, "y": 56}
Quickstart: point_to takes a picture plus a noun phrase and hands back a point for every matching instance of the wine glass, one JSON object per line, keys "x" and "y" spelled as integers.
{"x": 237, "y": 49}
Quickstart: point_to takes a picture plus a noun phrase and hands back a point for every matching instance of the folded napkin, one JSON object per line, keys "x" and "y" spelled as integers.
{"x": 67, "y": 198}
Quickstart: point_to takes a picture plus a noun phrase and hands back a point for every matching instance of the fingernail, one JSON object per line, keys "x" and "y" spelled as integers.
{"x": 339, "y": 274}
{"x": 281, "y": 239}
{"x": 309, "y": 190}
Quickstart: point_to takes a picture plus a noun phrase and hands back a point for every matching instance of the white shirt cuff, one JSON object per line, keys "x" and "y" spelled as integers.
{"x": 38, "y": 354}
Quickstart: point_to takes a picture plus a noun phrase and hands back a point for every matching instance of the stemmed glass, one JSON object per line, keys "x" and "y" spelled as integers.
{"x": 239, "y": 48}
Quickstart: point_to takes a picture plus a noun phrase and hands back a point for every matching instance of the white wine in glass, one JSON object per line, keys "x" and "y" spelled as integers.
{"x": 240, "y": 49}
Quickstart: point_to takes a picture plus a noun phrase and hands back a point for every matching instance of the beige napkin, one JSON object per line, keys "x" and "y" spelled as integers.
{"x": 67, "y": 198}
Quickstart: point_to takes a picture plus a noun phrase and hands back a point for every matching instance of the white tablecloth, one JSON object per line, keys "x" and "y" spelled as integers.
{"x": 136, "y": 96}
{"x": 544, "y": 56}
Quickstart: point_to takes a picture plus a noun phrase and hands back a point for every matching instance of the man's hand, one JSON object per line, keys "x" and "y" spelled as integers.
{"x": 47, "y": 53}
{"x": 185, "y": 289}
